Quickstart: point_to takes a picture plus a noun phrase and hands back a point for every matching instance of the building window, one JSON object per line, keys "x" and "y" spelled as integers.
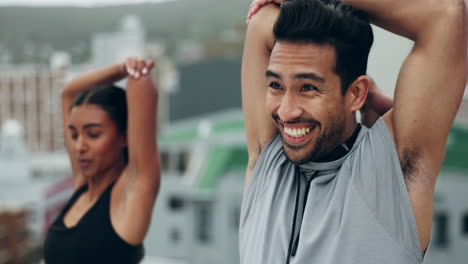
{"x": 441, "y": 230}
{"x": 176, "y": 203}
{"x": 164, "y": 161}
{"x": 236, "y": 218}
{"x": 204, "y": 226}
{"x": 183, "y": 161}
{"x": 174, "y": 236}
{"x": 465, "y": 224}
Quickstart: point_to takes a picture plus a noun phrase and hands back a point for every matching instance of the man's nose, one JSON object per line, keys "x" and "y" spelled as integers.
{"x": 289, "y": 108}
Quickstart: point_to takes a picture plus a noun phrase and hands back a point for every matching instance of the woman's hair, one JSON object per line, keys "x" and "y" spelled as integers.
{"x": 111, "y": 99}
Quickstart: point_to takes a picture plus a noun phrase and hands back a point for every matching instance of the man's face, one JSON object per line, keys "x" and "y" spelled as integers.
{"x": 305, "y": 100}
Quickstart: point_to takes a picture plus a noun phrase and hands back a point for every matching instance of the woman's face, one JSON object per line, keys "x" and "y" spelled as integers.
{"x": 95, "y": 142}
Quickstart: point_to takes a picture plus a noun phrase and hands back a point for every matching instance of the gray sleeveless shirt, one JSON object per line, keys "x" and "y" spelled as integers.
{"x": 357, "y": 210}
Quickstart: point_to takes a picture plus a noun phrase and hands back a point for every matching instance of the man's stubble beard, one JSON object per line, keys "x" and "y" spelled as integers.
{"x": 325, "y": 143}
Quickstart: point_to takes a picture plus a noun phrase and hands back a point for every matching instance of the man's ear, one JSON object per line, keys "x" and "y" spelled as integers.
{"x": 357, "y": 93}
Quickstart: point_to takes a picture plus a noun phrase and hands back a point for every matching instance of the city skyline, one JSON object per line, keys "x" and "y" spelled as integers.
{"x": 79, "y": 3}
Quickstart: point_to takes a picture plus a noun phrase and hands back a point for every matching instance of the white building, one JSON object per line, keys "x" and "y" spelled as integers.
{"x": 111, "y": 47}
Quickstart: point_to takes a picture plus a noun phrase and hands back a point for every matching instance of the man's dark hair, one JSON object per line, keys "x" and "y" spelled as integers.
{"x": 329, "y": 22}
{"x": 111, "y": 99}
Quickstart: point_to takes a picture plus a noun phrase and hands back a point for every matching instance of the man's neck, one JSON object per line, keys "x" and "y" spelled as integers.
{"x": 343, "y": 149}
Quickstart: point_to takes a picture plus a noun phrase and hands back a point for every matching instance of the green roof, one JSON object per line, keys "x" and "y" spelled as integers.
{"x": 227, "y": 149}
{"x": 456, "y": 157}
{"x": 188, "y": 130}
{"x": 222, "y": 159}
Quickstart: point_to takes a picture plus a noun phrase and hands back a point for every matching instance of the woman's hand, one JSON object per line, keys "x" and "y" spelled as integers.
{"x": 135, "y": 67}
{"x": 257, "y": 4}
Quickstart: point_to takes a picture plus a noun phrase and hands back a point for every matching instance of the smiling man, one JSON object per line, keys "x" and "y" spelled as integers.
{"x": 311, "y": 116}
{"x": 320, "y": 187}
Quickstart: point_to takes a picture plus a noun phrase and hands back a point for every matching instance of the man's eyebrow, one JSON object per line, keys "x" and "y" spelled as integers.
{"x": 307, "y": 75}
{"x": 269, "y": 73}
{"x": 310, "y": 75}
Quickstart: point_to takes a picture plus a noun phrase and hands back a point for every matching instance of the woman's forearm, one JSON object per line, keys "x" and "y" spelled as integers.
{"x": 107, "y": 75}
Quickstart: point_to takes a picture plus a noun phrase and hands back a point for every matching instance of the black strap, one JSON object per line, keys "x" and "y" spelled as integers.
{"x": 307, "y": 188}
{"x": 294, "y": 240}
{"x": 298, "y": 190}
{"x": 342, "y": 149}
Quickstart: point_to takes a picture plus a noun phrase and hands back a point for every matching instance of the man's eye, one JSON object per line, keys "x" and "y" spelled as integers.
{"x": 274, "y": 85}
{"x": 74, "y": 136}
{"x": 308, "y": 88}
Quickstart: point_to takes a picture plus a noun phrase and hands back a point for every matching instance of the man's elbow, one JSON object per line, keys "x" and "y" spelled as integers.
{"x": 454, "y": 11}
{"x": 454, "y": 19}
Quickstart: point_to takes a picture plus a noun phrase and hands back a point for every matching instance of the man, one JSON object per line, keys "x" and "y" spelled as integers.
{"x": 321, "y": 188}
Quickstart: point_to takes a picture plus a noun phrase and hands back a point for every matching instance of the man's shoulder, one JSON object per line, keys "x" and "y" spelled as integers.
{"x": 374, "y": 151}
{"x": 378, "y": 133}
{"x": 270, "y": 153}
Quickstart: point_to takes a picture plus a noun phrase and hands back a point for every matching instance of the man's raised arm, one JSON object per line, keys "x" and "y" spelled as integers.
{"x": 429, "y": 89}
{"x": 258, "y": 45}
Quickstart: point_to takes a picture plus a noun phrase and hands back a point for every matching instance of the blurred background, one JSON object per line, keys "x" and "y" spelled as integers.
{"x": 197, "y": 46}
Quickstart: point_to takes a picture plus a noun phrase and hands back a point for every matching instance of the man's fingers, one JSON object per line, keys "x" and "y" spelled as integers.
{"x": 256, "y": 5}
{"x": 249, "y": 13}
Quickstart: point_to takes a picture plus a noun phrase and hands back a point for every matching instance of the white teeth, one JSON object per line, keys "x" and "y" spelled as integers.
{"x": 297, "y": 132}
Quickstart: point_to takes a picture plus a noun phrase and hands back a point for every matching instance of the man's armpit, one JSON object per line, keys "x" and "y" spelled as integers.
{"x": 410, "y": 158}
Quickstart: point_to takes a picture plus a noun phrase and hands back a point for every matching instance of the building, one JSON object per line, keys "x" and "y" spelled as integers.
{"x": 449, "y": 239}
{"x": 22, "y": 202}
{"x": 112, "y": 47}
{"x": 196, "y": 217}
{"x": 203, "y": 80}
{"x": 31, "y": 95}
{"x": 130, "y": 40}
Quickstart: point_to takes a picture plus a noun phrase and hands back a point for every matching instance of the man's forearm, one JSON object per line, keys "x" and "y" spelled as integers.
{"x": 411, "y": 19}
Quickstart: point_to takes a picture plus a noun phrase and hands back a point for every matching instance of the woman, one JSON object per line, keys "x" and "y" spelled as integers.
{"x": 115, "y": 165}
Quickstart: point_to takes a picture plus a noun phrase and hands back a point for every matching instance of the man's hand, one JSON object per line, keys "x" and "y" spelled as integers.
{"x": 376, "y": 105}
{"x": 257, "y": 4}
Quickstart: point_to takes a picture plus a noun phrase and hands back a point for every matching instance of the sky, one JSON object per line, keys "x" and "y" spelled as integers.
{"x": 81, "y": 3}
